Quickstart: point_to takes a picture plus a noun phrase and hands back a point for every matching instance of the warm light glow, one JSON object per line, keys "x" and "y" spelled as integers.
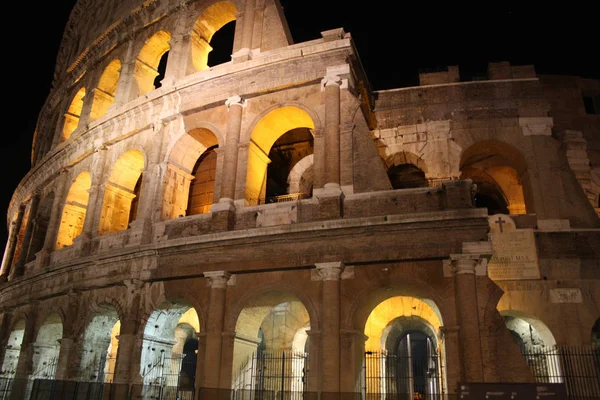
{"x": 391, "y": 309}
{"x": 111, "y": 361}
{"x": 146, "y": 65}
{"x": 104, "y": 94}
{"x": 71, "y": 224}
{"x": 73, "y": 114}
{"x": 264, "y": 135}
{"x": 211, "y": 20}
{"x": 190, "y": 317}
{"x": 119, "y": 192}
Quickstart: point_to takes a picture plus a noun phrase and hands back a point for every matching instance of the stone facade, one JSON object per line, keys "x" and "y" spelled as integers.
{"x": 114, "y": 264}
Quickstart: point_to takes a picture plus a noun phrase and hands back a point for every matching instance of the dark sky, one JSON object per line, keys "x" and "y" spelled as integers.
{"x": 394, "y": 42}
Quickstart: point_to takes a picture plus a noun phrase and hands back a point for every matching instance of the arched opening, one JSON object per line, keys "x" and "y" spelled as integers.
{"x": 271, "y": 347}
{"x": 282, "y": 137}
{"x": 191, "y": 175}
{"x": 13, "y": 350}
{"x": 496, "y": 168}
{"x": 537, "y": 344}
{"x": 71, "y": 121}
{"x": 214, "y": 30}
{"x": 47, "y": 347}
{"x": 406, "y": 176}
{"x": 40, "y": 226}
{"x": 404, "y": 350}
{"x": 20, "y": 238}
{"x": 170, "y": 351}
{"x": 118, "y": 208}
{"x": 100, "y": 346}
{"x": 149, "y": 60}
{"x": 73, "y": 216}
{"x": 104, "y": 94}
{"x": 300, "y": 179}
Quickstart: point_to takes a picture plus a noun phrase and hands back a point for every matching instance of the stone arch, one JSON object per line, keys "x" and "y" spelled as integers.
{"x": 211, "y": 20}
{"x": 73, "y": 114}
{"x": 191, "y": 159}
{"x": 400, "y": 326}
{"x": 265, "y": 132}
{"x": 74, "y": 210}
{"x": 267, "y": 322}
{"x": 47, "y": 346}
{"x": 104, "y": 93}
{"x": 301, "y": 176}
{"x": 496, "y": 168}
{"x": 40, "y": 226}
{"x": 521, "y": 319}
{"x": 121, "y": 192}
{"x": 406, "y": 170}
{"x": 148, "y": 60}
{"x": 13, "y": 347}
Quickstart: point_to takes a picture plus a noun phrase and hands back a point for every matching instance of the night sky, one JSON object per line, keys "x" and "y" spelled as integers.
{"x": 393, "y": 41}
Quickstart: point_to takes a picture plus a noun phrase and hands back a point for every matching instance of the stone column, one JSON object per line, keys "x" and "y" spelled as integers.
{"x": 200, "y": 357}
{"x": 25, "y": 363}
{"x": 217, "y": 281}
{"x": 330, "y": 340}
{"x": 467, "y": 310}
{"x": 331, "y": 86}
{"x": 23, "y": 254}
{"x": 223, "y": 211}
{"x": 453, "y": 360}
{"x": 244, "y": 53}
{"x": 94, "y": 207}
{"x": 9, "y": 252}
{"x": 65, "y": 355}
{"x": 126, "y": 77}
{"x": 54, "y": 222}
{"x": 352, "y": 350}
{"x": 179, "y": 57}
{"x": 129, "y": 352}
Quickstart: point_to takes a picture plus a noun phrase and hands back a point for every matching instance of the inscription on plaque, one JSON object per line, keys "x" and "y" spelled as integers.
{"x": 514, "y": 253}
{"x": 565, "y": 295}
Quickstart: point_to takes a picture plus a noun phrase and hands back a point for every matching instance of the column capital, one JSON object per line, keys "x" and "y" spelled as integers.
{"x": 235, "y": 101}
{"x": 330, "y": 271}
{"x": 459, "y": 264}
{"x": 336, "y": 76}
{"x": 217, "y": 279}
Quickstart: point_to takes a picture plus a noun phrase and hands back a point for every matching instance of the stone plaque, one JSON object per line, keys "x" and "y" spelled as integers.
{"x": 565, "y": 295}
{"x": 514, "y": 255}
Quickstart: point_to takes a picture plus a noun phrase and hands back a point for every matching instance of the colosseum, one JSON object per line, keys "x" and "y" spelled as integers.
{"x": 271, "y": 227}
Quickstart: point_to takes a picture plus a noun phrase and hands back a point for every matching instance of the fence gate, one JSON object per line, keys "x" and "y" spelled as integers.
{"x": 273, "y": 375}
{"x": 170, "y": 378}
{"x": 399, "y": 377}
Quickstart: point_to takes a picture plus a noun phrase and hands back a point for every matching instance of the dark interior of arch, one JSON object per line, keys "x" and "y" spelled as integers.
{"x": 222, "y": 44}
{"x": 40, "y": 226}
{"x": 489, "y": 196}
{"x": 405, "y": 176}
{"x": 290, "y": 148}
{"x": 596, "y": 334}
{"x": 136, "y": 200}
{"x": 162, "y": 69}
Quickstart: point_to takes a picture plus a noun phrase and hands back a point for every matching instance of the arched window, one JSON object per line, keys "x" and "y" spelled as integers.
{"x": 149, "y": 60}
{"x": 74, "y": 211}
{"x": 104, "y": 94}
{"x": 216, "y": 21}
{"x": 73, "y": 114}
{"x": 118, "y": 208}
{"x": 407, "y": 176}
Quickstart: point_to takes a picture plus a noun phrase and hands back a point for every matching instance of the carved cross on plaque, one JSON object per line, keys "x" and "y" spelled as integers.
{"x": 500, "y": 222}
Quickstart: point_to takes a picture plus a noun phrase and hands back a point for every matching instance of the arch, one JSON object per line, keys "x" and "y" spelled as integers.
{"x": 301, "y": 176}
{"x": 210, "y": 21}
{"x": 122, "y": 187}
{"x": 73, "y": 114}
{"x": 40, "y": 226}
{"x": 104, "y": 94}
{"x": 265, "y": 133}
{"x": 496, "y": 168}
{"x": 13, "y": 349}
{"x": 189, "y": 151}
{"x": 74, "y": 210}
{"x": 405, "y": 157}
{"x": 47, "y": 347}
{"x": 521, "y": 322}
{"x": 148, "y": 60}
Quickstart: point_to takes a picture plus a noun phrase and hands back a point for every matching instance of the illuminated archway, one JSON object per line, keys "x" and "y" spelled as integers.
{"x": 104, "y": 94}
{"x": 496, "y": 168}
{"x": 47, "y": 347}
{"x": 212, "y": 20}
{"x": 148, "y": 60}
{"x": 100, "y": 346}
{"x": 270, "y": 350}
{"x": 73, "y": 115}
{"x": 265, "y": 134}
{"x": 191, "y": 174}
{"x": 13, "y": 350}
{"x": 73, "y": 217}
{"x": 122, "y": 187}
{"x": 404, "y": 349}
{"x": 169, "y": 350}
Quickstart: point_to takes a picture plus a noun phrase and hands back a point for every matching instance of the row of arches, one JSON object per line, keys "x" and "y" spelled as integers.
{"x": 213, "y": 30}
{"x": 403, "y": 353}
